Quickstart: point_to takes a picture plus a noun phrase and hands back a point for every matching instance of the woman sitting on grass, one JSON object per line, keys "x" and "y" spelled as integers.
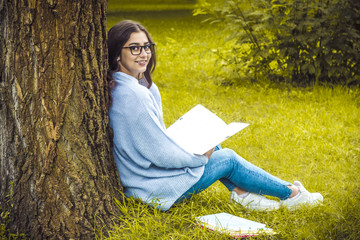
{"x": 151, "y": 165}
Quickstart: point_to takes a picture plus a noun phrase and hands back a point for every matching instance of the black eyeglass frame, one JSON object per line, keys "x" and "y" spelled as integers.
{"x": 151, "y": 46}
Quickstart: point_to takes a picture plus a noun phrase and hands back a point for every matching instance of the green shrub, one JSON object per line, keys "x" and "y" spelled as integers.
{"x": 298, "y": 41}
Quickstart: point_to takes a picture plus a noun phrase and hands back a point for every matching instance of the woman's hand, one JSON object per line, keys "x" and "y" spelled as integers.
{"x": 208, "y": 153}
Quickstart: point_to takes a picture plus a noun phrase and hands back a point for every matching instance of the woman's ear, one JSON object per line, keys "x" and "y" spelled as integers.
{"x": 118, "y": 59}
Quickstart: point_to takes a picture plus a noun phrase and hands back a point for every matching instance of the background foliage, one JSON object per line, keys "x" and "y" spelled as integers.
{"x": 298, "y": 41}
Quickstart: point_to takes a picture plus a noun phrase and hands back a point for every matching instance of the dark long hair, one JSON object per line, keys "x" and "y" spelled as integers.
{"x": 118, "y": 35}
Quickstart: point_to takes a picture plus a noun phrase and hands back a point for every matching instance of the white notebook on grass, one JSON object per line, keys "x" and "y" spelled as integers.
{"x": 234, "y": 226}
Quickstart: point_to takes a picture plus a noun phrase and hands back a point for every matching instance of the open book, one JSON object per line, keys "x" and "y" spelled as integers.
{"x": 199, "y": 130}
{"x": 234, "y": 226}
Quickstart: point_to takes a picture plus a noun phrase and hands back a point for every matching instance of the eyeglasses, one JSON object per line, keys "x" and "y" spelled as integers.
{"x": 136, "y": 50}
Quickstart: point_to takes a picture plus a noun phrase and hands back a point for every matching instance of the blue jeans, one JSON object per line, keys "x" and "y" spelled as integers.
{"x": 232, "y": 170}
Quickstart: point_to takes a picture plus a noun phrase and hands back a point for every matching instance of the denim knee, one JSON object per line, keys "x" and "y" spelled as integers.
{"x": 227, "y": 153}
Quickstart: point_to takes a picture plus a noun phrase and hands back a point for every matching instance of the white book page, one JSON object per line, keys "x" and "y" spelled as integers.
{"x": 199, "y": 130}
{"x": 231, "y": 222}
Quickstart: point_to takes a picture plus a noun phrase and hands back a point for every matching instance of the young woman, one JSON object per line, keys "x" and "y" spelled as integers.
{"x": 151, "y": 165}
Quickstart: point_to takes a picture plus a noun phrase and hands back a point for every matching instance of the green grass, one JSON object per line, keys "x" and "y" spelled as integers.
{"x": 149, "y": 5}
{"x": 306, "y": 134}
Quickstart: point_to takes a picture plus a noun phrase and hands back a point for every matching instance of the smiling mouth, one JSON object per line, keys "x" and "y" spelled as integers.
{"x": 142, "y": 61}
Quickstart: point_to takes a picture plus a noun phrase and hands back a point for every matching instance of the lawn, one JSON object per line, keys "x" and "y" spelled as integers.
{"x": 306, "y": 134}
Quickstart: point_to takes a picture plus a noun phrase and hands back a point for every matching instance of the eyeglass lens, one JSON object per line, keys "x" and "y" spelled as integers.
{"x": 136, "y": 50}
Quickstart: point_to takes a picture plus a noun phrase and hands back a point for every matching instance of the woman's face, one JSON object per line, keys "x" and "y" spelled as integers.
{"x": 135, "y": 65}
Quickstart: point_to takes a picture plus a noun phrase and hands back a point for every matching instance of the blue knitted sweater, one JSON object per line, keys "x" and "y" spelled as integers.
{"x": 151, "y": 165}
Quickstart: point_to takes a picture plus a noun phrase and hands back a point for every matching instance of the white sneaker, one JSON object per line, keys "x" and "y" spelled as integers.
{"x": 255, "y": 202}
{"x": 305, "y": 198}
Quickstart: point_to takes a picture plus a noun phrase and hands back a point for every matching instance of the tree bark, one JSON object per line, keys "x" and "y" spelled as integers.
{"x": 55, "y": 139}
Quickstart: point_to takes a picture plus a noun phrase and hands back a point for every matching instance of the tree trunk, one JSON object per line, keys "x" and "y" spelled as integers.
{"x": 55, "y": 141}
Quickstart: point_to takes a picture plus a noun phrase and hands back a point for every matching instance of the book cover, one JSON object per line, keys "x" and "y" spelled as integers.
{"x": 234, "y": 226}
{"x": 199, "y": 130}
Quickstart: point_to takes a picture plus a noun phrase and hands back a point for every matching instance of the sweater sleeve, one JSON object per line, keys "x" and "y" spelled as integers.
{"x": 147, "y": 135}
